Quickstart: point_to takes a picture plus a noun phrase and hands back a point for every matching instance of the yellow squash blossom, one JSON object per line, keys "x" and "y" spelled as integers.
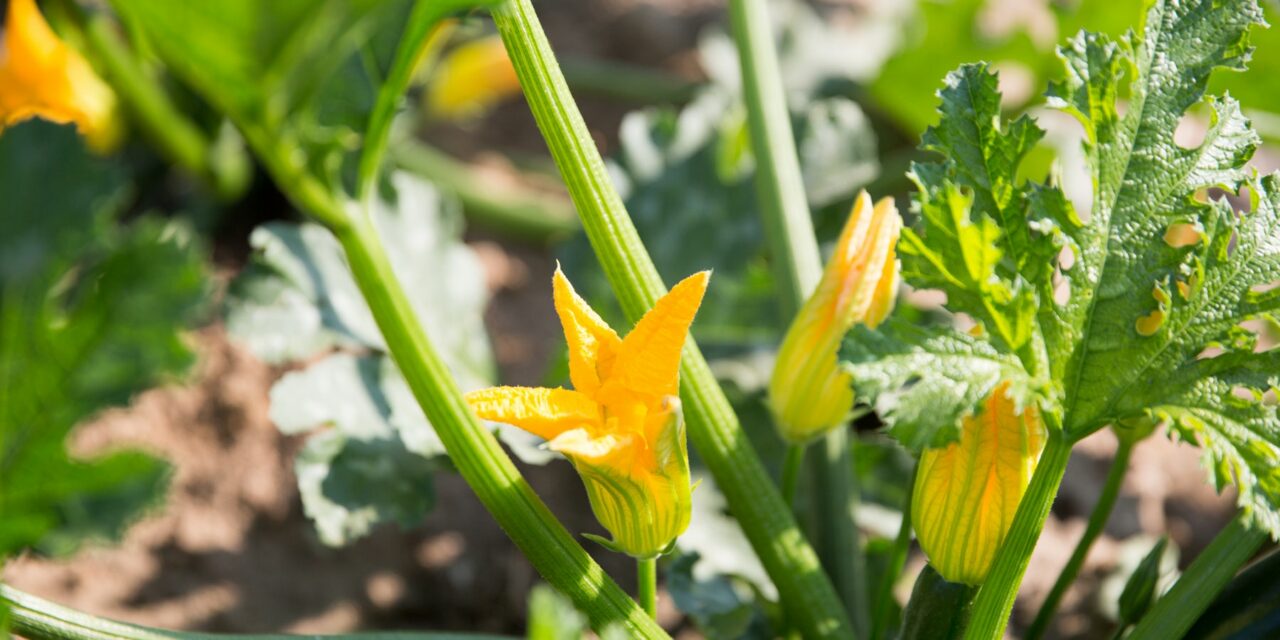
{"x": 809, "y": 393}
{"x": 621, "y": 425}
{"x": 471, "y": 79}
{"x": 41, "y": 77}
{"x": 966, "y": 493}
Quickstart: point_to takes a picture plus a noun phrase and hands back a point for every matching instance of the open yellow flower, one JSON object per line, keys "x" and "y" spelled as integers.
{"x": 41, "y": 77}
{"x": 621, "y": 425}
{"x": 471, "y": 79}
{"x": 809, "y": 393}
{"x": 966, "y": 493}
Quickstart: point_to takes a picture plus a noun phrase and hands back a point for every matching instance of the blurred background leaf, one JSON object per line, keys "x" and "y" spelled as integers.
{"x": 91, "y": 313}
{"x": 297, "y": 302}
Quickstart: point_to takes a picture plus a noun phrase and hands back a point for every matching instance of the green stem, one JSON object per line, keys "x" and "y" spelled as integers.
{"x": 525, "y": 214}
{"x": 1097, "y": 521}
{"x": 995, "y": 599}
{"x": 806, "y": 593}
{"x": 647, "y": 585}
{"x": 791, "y": 466}
{"x": 177, "y": 138}
{"x": 1175, "y": 612}
{"x": 893, "y": 569}
{"x": 475, "y": 451}
{"x": 834, "y": 532}
{"x": 778, "y": 179}
{"x": 38, "y": 619}
{"x": 426, "y": 14}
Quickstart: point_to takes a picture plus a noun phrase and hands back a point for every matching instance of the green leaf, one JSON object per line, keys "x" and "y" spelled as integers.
{"x": 297, "y": 300}
{"x": 1144, "y": 183}
{"x": 714, "y": 605}
{"x": 1142, "y": 307}
{"x": 253, "y": 59}
{"x": 91, "y": 313}
{"x": 924, "y": 380}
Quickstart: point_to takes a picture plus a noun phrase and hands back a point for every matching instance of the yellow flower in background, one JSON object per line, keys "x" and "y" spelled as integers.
{"x": 808, "y": 392}
{"x": 621, "y": 425}
{"x": 41, "y": 77}
{"x": 471, "y": 79}
{"x": 966, "y": 493}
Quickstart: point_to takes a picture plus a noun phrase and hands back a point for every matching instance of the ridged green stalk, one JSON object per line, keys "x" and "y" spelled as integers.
{"x": 811, "y": 603}
{"x": 472, "y": 448}
{"x": 995, "y": 599}
{"x": 475, "y": 451}
{"x": 1097, "y": 520}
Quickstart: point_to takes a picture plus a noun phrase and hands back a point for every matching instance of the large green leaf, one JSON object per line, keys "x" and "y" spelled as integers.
{"x": 1142, "y": 308}
{"x": 91, "y": 313}
{"x": 297, "y": 301}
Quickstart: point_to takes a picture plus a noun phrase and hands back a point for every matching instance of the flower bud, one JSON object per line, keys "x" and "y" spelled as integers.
{"x": 967, "y": 493}
{"x": 808, "y": 393}
{"x": 644, "y": 501}
{"x": 41, "y": 77}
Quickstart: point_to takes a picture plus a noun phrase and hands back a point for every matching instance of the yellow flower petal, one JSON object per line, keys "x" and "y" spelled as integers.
{"x": 592, "y": 344}
{"x": 41, "y": 77}
{"x": 471, "y": 79}
{"x": 808, "y": 393}
{"x": 543, "y": 412}
{"x": 966, "y": 494}
{"x": 649, "y": 358}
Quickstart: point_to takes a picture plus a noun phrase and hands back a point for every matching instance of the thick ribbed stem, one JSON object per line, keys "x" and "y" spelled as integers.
{"x": 1097, "y": 520}
{"x": 995, "y": 599}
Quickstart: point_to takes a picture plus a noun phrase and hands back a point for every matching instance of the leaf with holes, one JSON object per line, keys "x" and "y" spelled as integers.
{"x": 1147, "y": 305}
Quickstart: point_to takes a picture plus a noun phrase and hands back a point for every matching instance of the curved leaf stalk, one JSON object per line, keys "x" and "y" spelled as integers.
{"x": 1175, "y": 612}
{"x": 995, "y": 599}
{"x": 38, "y": 619}
{"x": 425, "y": 16}
{"x": 810, "y": 600}
{"x": 1097, "y": 520}
{"x": 473, "y": 449}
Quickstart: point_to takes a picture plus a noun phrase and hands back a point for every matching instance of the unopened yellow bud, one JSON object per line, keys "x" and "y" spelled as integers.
{"x": 41, "y": 77}
{"x": 471, "y": 79}
{"x": 809, "y": 393}
{"x": 966, "y": 493}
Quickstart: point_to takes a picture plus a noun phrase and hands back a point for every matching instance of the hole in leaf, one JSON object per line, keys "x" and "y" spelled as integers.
{"x": 1192, "y": 128}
